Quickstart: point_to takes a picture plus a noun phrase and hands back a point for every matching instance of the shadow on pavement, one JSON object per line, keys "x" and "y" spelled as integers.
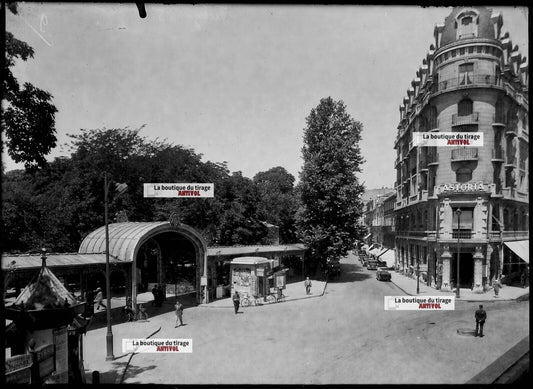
{"x": 107, "y": 377}
{"x": 133, "y": 371}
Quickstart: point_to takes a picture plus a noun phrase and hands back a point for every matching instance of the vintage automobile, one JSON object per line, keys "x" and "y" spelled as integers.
{"x": 372, "y": 265}
{"x": 382, "y": 274}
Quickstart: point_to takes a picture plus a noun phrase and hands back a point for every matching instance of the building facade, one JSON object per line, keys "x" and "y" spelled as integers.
{"x": 458, "y": 209}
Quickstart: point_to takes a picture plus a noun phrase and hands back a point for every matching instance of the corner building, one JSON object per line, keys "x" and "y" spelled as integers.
{"x": 472, "y": 80}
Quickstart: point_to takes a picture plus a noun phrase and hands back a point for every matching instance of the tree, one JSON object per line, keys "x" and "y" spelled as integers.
{"x": 277, "y": 201}
{"x": 29, "y": 115}
{"x": 331, "y": 206}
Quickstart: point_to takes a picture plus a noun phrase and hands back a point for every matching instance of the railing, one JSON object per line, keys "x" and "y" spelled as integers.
{"x": 510, "y": 160}
{"x": 467, "y": 81}
{"x": 457, "y": 120}
{"x": 497, "y": 153}
{"x": 464, "y": 154}
{"x": 462, "y": 234}
{"x": 432, "y": 158}
{"x": 513, "y": 130}
{"x": 509, "y": 234}
{"x": 499, "y": 119}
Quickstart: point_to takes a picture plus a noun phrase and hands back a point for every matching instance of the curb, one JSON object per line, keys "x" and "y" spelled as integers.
{"x": 505, "y": 364}
{"x": 286, "y": 300}
{"x": 519, "y": 298}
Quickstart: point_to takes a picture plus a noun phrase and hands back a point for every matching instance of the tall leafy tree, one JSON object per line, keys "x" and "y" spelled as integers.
{"x": 330, "y": 190}
{"x": 29, "y": 116}
{"x": 277, "y": 201}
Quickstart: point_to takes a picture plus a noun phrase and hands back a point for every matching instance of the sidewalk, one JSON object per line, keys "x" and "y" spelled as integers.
{"x": 112, "y": 371}
{"x": 506, "y": 293}
{"x": 292, "y": 292}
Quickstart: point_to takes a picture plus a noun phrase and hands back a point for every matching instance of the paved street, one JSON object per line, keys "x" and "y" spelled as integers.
{"x": 343, "y": 337}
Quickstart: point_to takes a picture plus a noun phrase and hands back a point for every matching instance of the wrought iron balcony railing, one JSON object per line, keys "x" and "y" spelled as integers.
{"x": 464, "y": 154}
{"x": 457, "y": 120}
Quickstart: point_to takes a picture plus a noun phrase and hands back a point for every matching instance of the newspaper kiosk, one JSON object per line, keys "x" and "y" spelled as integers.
{"x": 256, "y": 281}
{"x": 249, "y": 276}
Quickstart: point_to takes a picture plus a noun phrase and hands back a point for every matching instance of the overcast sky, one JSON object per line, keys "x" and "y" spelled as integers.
{"x": 233, "y": 82}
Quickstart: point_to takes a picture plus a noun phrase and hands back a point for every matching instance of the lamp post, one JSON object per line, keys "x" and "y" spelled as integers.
{"x": 457, "y": 286}
{"x": 109, "y": 335}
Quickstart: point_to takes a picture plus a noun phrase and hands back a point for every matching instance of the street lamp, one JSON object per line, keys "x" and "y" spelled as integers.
{"x": 458, "y": 212}
{"x": 109, "y": 335}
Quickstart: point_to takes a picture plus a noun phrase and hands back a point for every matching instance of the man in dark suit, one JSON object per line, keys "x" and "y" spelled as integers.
{"x": 480, "y": 316}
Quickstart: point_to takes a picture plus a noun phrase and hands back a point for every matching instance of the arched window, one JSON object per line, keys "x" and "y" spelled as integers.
{"x": 465, "y": 107}
{"x": 466, "y": 24}
{"x": 466, "y": 74}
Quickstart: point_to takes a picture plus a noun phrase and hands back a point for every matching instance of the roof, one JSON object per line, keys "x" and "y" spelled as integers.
{"x": 46, "y": 292}
{"x": 254, "y": 249}
{"x": 520, "y": 248}
{"x": 250, "y": 260}
{"x": 33, "y": 261}
{"x": 485, "y": 26}
{"x": 126, "y": 238}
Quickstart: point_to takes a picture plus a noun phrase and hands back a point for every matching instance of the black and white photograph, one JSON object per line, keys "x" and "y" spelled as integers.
{"x": 265, "y": 194}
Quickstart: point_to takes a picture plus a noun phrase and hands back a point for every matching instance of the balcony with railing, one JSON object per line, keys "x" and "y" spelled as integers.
{"x": 474, "y": 80}
{"x": 464, "y": 154}
{"x": 457, "y": 120}
{"x": 462, "y": 234}
{"x": 511, "y": 130}
{"x": 510, "y": 161}
{"x": 499, "y": 120}
{"x": 432, "y": 158}
{"x": 498, "y": 154}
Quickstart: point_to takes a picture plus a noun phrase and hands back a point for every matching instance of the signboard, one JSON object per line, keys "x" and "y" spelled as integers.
{"x": 260, "y": 272}
{"x": 169, "y": 190}
{"x": 18, "y": 369}
{"x": 46, "y": 359}
{"x": 281, "y": 280}
{"x": 457, "y": 187}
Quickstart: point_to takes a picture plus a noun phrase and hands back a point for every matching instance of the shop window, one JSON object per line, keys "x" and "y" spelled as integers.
{"x": 463, "y": 175}
{"x": 466, "y": 73}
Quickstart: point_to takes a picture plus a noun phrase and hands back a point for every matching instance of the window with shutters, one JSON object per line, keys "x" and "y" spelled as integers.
{"x": 466, "y": 73}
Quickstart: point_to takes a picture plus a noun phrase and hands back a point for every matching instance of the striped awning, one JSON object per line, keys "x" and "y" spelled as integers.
{"x": 520, "y": 248}
{"x": 388, "y": 257}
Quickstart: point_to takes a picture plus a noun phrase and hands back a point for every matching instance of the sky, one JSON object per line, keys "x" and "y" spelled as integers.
{"x": 233, "y": 82}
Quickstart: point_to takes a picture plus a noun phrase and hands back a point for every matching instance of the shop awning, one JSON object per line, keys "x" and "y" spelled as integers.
{"x": 375, "y": 251}
{"x": 366, "y": 237}
{"x": 388, "y": 257}
{"x": 520, "y": 248}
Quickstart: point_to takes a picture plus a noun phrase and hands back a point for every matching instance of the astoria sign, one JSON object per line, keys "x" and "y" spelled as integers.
{"x": 477, "y": 186}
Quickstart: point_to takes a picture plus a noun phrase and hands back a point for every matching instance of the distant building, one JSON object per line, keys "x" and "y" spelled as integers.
{"x": 465, "y": 204}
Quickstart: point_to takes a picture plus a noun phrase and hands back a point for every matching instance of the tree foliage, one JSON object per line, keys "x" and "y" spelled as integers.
{"x": 58, "y": 205}
{"x": 29, "y": 116}
{"x": 329, "y": 188}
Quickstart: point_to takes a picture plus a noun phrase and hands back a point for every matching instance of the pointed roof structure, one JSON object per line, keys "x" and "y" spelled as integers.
{"x": 47, "y": 292}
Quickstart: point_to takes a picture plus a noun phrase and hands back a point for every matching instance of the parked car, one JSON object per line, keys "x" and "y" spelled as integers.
{"x": 372, "y": 265}
{"x": 382, "y": 274}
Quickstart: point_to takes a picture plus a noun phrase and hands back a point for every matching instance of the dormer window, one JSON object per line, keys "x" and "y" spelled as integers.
{"x": 466, "y": 24}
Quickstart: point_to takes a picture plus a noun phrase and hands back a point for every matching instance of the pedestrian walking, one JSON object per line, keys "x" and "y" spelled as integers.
{"x": 161, "y": 294}
{"x": 480, "y": 317}
{"x": 142, "y": 312}
{"x": 307, "y": 284}
{"x": 155, "y": 293}
{"x": 98, "y": 299}
{"x": 89, "y": 306}
{"x": 496, "y": 285}
{"x": 179, "y": 313}
{"x": 236, "y": 301}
